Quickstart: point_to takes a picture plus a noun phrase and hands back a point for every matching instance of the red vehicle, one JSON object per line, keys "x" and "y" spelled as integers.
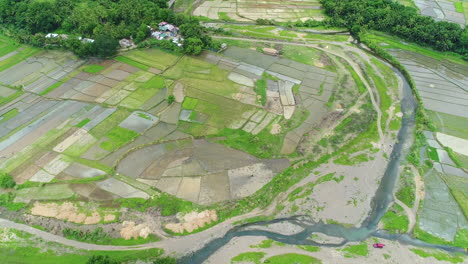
{"x": 378, "y": 245}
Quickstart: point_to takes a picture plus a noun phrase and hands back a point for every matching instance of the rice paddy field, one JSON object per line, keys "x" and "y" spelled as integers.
{"x": 441, "y": 84}
{"x": 248, "y": 10}
{"x": 98, "y": 130}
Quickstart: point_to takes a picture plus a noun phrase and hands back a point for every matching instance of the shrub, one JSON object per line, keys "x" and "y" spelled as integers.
{"x": 6, "y": 181}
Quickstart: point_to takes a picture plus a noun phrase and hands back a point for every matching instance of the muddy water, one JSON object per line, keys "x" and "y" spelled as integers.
{"x": 380, "y": 203}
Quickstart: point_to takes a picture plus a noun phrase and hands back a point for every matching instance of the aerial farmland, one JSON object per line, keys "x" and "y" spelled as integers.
{"x": 292, "y": 139}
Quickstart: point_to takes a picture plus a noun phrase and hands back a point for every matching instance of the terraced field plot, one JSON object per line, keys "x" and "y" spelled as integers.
{"x": 79, "y": 120}
{"x": 247, "y": 10}
{"x": 451, "y": 11}
{"x": 442, "y": 86}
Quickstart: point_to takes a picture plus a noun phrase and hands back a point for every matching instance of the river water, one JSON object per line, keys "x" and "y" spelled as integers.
{"x": 380, "y": 203}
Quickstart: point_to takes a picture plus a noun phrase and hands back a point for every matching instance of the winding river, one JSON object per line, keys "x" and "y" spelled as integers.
{"x": 380, "y": 203}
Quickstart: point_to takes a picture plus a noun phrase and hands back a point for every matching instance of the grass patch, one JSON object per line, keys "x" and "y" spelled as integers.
{"x": 157, "y": 82}
{"x": 6, "y": 200}
{"x": 395, "y": 43}
{"x": 268, "y": 243}
{"x": 110, "y": 122}
{"x": 132, "y": 63}
{"x": 459, "y": 7}
{"x": 118, "y": 137}
{"x": 224, "y": 16}
{"x": 292, "y": 258}
{"x": 83, "y": 122}
{"x": 93, "y": 68}
{"x": 309, "y": 248}
{"x": 17, "y": 58}
{"x": 253, "y": 257}
{"x": 189, "y": 103}
{"x": 352, "y": 251}
{"x": 432, "y": 153}
{"x": 359, "y": 84}
{"x": 439, "y": 255}
{"x": 8, "y": 115}
{"x": 5, "y": 100}
{"x": 51, "y": 88}
{"x": 261, "y": 90}
{"x": 254, "y": 219}
{"x": 169, "y": 204}
{"x": 449, "y": 124}
{"x": 406, "y": 187}
{"x": 146, "y": 58}
{"x": 99, "y": 237}
{"x": 395, "y": 220}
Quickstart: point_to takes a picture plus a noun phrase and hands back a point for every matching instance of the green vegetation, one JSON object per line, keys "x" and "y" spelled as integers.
{"x": 6, "y": 181}
{"x": 118, "y": 137}
{"x": 169, "y": 204}
{"x": 16, "y": 251}
{"x": 459, "y": 7}
{"x": 17, "y": 58}
{"x": 109, "y": 123}
{"x": 459, "y": 190}
{"x": 157, "y": 82}
{"x": 360, "y": 85}
{"x": 98, "y": 236}
{"x": 83, "y": 122}
{"x": 432, "y": 154}
{"x": 4, "y": 100}
{"x": 439, "y": 255}
{"x": 92, "y": 68}
{"x": 461, "y": 237}
{"x": 261, "y": 90}
{"x": 292, "y": 258}
{"x": 406, "y": 187}
{"x": 352, "y": 251}
{"x": 309, "y": 248}
{"x": 449, "y": 124}
{"x": 51, "y": 88}
{"x": 224, "y": 16}
{"x": 6, "y": 200}
{"x": 131, "y": 62}
{"x": 253, "y": 257}
{"x": 170, "y": 99}
{"x": 398, "y": 20}
{"x": 254, "y": 219}
{"x": 8, "y": 115}
{"x": 189, "y": 103}
{"x": 392, "y": 42}
{"x": 395, "y": 220}
{"x": 268, "y": 243}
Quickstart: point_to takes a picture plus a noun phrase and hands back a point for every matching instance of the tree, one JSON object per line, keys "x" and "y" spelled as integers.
{"x": 143, "y": 32}
{"x": 170, "y": 99}
{"x": 6, "y": 181}
{"x": 193, "y": 46}
{"x": 166, "y": 260}
{"x": 105, "y": 46}
{"x": 99, "y": 259}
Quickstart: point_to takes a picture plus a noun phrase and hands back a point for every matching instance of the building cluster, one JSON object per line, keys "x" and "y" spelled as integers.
{"x": 65, "y": 36}
{"x": 167, "y": 31}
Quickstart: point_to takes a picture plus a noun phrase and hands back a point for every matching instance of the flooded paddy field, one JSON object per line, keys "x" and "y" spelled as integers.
{"x": 442, "y": 86}
{"x": 248, "y": 10}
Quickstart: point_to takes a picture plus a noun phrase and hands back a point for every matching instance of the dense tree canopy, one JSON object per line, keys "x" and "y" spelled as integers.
{"x": 394, "y": 18}
{"x": 115, "y": 19}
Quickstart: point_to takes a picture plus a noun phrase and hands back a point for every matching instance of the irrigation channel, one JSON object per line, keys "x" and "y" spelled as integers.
{"x": 380, "y": 203}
